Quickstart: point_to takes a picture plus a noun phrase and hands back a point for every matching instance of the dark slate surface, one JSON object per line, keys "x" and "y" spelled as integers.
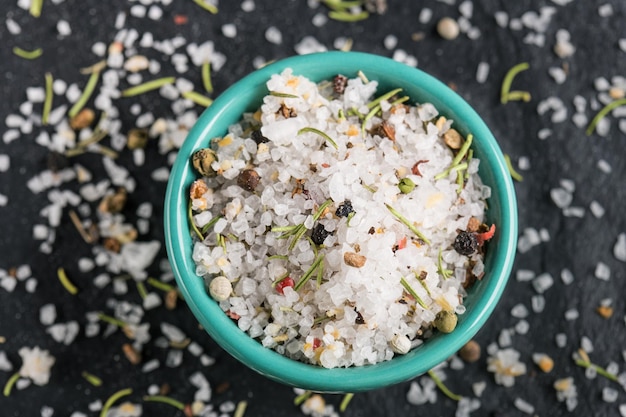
{"x": 575, "y": 243}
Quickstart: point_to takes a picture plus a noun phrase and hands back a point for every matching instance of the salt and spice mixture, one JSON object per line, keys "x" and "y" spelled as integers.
{"x": 98, "y": 97}
{"x": 340, "y": 224}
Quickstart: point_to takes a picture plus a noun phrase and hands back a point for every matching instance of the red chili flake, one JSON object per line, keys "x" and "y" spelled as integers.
{"x": 316, "y": 343}
{"x": 481, "y": 238}
{"x": 416, "y": 169}
{"x": 287, "y": 282}
{"x": 180, "y": 19}
{"x": 232, "y": 315}
{"x": 325, "y": 165}
{"x": 402, "y": 243}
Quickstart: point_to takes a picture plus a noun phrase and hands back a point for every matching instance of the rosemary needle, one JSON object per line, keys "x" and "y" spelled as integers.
{"x": 206, "y": 77}
{"x": 407, "y": 223}
{"x": 344, "y": 16}
{"x": 89, "y": 88}
{"x": 116, "y": 396}
{"x": 147, "y": 86}
{"x": 198, "y": 98}
{"x": 65, "y": 281}
{"x": 9, "y": 385}
{"x": 508, "y": 80}
{"x": 22, "y": 53}
{"x": 166, "y": 400}
{"x": 47, "y": 105}
{"x": 603, "y": 112}
{"x": 35, "y": 7}
{"x": 411, "y": 291}
{"x": 206, "y": 6}
{"x": 92, "y": 379}
{"x": 241, "y": 409}
{"x": 318, "y": 132}
{"x": 443, "y": 387}
{"x": 514, "y": 174}
{"x": 345, "y": 401}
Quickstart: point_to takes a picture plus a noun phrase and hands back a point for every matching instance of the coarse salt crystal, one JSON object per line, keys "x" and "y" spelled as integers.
{"x": 560, "y": 340}
{"x": 274, "y": 35}
{"x": 155, "y": 12}
{"x": 47, "y": 314}
{"x": 63, "y": 27}
{"x": 229, "y": 30}
{"x": 605, "y": 10}
{"x": 571, "y": 314}
{"x": 482, "y": 72}
{"x": 602, "y": 271}
{"x": 150, "y": 366}
{"x": 567, "y": 276}
{"x": 248, "y": 5}
{"x": 619, "y": 250}
{"x": 523, "y": 406}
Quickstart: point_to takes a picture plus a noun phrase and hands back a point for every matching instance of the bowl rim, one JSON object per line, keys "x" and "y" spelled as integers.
{"x": 267, "y": 361}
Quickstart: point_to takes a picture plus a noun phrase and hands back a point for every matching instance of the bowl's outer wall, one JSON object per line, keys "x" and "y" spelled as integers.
{"x": 245, "y": 96}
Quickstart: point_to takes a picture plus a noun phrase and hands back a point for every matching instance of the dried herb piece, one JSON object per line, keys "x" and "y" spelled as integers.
{"x": 505, "y": 93}
{"x": 87, "y": 92}
{"x": 198, "y": 98}
{"x": 206, "y": 6}
{"x": 65, "y": 281}
{"x": 514, "y": 174}
{"x": 137, "y": 138}
{"x": 82, "y": 119}
{"x": 22, "y": 53}
{"x": 147, "y": 86}
{"x": 318, "y": 132}
{"x": 602, "y": 114}
{"x": 112, "y": 399}
{"x": 47, "y": 105}
{"x": 165, "y": 400}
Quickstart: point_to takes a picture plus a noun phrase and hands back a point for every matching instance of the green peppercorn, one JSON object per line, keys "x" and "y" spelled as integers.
{"x": 406, "y": 185}
{"x": 445, "y": 321}
{"x": 202, "y": 160}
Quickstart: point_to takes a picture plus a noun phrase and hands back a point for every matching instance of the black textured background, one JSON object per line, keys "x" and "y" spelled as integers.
{"x": 576, "y": 243}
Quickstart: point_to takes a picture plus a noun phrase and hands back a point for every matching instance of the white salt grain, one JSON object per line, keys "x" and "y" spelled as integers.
{"x": 543, "y": 134}
{"x": 5, "y": 365}
{"x": 390, "y": 42}
{"x": 47, "y": 314}
{"x": 561, "y": 197}
{"x": 425, "y": 15}
{"x": 273, "y": 35}
{"x": 523, "y": 406}
{"x": 229, "y": 30}
{"x": 155, "y": 12}
{"x": 619, "y": 250}
{"x": 542, "y": 282}
{"x": 482, "y": 72}
{"x": 524, "y": 275}
{"x": 522, "y": 327}
{"x": 538, "y": 303}
{"x": 571, "y": 314}
{"x": 602, "y": 271}
{"x": 319, "y": 20}
{"x": 519, "y": 311}
{"x": 63, "y": 27}
{"x": 150, "y": 366}
{"x": 561, "y": 340}
{"x": 586, "y": 344}
{"x": 248, "y": 5}
{"x": 207, "y": 360}
{"x": 567, "y": 276}
{"x": 605, "y": 10}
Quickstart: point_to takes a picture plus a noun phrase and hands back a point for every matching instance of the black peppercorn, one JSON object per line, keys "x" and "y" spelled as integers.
{"x": 57, "y": 161}
{"x": 344, "y": 209}
{"x": 248, "y": 179}
{"x": 319, "y": 234}
{"x": 258, "y": 137}
{"x": 465, "y": 243}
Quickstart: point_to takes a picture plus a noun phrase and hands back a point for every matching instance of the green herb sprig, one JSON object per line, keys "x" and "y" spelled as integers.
{"x": 112, "y": 399}
{"x": 22, "y": 53}
{"x": 47, "y": 104}
{"x": 411, "y": 291}
{"x": 165, "y": 400}
{"x": 445, "y": 273}
{"x": 297, "y": 231}
{"x": 206, "y": 77}
{"x": 345, "y": 401}
{"x": 446, "y": 391}
{"x": 314, "y": 268}
{"x": 506, "y": 94}
{"x": 198, "y": 98}
{"x": 65, "y": 281}
{"x": 603, "y": 113}
{"x": 407, "y": 223}
{"x": 92, "y": 379}
{"x": 514, "y": 174}
{"x": 456, "y": 162}
{"x": 206, "y": 6}
{"x": 582, "y": 360}
{"x": 87, "y": 92}
{"x": 320, "y": 133}
{"x": 9, "y": 385}
{"x": 147, "y": 86}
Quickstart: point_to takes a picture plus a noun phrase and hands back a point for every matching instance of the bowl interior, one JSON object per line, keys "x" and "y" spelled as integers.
{"x": 246, "y": 95}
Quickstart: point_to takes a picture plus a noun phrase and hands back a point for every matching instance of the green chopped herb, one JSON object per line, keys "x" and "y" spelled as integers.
{"x": 302, "y": 397}
{"x": 318, "y": 263}
{"x": 298, "y": 230}
{"x": 454, "y": 166}
{"x": 165, "y": 400}
{"x": 350, "y": 216}
{"x": 281, "y": 257}
{"x": 422, "y": 283}
{"x": 22, "y": 53}
{"x": 384, "y": 97}
{"x": 241, "y": 409}
{"x": 318, "y": 132}
{"x": 147, "y": 86}
{"x": 141, "y": 289}
{"x": 119, "y": 394}
{"x": 159, "y": 284}
{"x": 407, "y": 223}
{"x": 9, "y": 385}
{"x": 584, "y": 362}
{"x": 112, "y": 320}
{"x": 514, "y": 174}
{"x": 87, "y": 92}
{"x": 345, "y": 401}
{"x": 339, "y": 5}
{"x": 411, "y": 291}
{"x": 362, "y": 76}
{"x": 193, "y": 224}
{"x": 340, "y": 115}
{"x": 221, "y": 241}
{"x": 445, "y": 273}
{"x": 210, "y": 224}
{"x": 65, "y": 281}
{"x": 344, "y": 16}
{"x": 603, "y": 113}
{"x": 283, "y": 95}
{"x": 206, "y": 77}
{"x": 206, "y": 6}
{"x": 442, "y": 387}
{"x": 47, "y": 104}
{"x": 460, "y": 179}
{"x": 400, "y": 100}
{"x": 368, "y": 116}
{"x": 508, "y": 80}
{"x": 92, "y": 379}
{"x": 519, "y": 96}
{"x": 198, "y": 98}
{"x": 35, "y": 7}
{"x": 369, "y": 188}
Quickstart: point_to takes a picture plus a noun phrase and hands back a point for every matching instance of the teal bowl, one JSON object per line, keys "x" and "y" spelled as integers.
{"x": 245, "y": 96}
